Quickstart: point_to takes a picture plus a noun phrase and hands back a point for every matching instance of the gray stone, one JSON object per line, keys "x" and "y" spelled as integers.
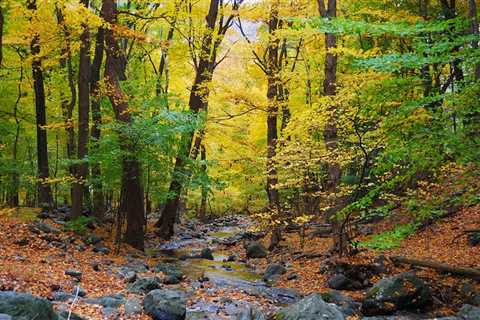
{"x": 250, "y": 314}
{"x": 469, "y": 312}
{"x": 133, "y": 306}
{"x": 61, "y": 296}
{"x": 22, "y": 306}
{"x": 256, "y": 250}
{"x": 73, "y": 316}
{"x": 4, "y": 316}
{"x": 74, "y": 273}
{"x": 107, "y": 301}
{"x": 165, "y": 305}
{"x": 38, "y": 226}
{"x": 403, "y": 291}
{"x": 206, "y": 254}
{"x": 273, "y": 271}
{"x": 311, "y": 308}
{"x": 144, "y": 285}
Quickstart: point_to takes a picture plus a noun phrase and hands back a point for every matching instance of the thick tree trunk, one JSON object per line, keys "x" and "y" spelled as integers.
{"x": 273, "y": 96}
{"x": 132, "y": 201}
{"x": 83, "y": 119}
{"x": 198, "y": 102}
{"x": 98, "y": 196}
{"x": 330, "y": 133}
{"x": 44, "y": 190}
{"x": 472, "y": 14}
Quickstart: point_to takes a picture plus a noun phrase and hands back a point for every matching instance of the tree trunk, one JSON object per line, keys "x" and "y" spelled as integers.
{"x": 472, "y": 14}
{"x": 14, "y": 197}
{"x": 198, "y": 102}
{"x": 68, "y": 105}
{"x": 44, "y": 190}
{"x": 83, "y": 120}
{"x": 442, "y": 267}
{"x": 132, "y": 201}
{"x": 96, "y": 173}
{"x": 330, "y": 134}
{"x": 1, "y": 35}
{"x": 202, "y": 211}
{"x": 273, "y": 96}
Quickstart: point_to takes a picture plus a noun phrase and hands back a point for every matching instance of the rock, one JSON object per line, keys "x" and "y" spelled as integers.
{"x": 346, "y": 304}
{"x": 469, "y": 294}
{"x": 145, "y": 285}
{"x": 342, "y": 282}
{"x": 256, "y": 250}
{"x": 21, "y": 242}
{"x": 311, "y": 308}
{"x": 100, "y": 248}
{"x": 173, "y": 275}
{"x": 469, "y": 312}
{"x": 403, "y": 291}
{"x": 250, "y": 314}
{"x": 133, "y": 306}
{"x": 22, "y": 306}
{"x": 110, "y": 313}
{"x": 130, "y": 276}
{"x": 81, "y": 292}
{"x": 112, "y": 302}
{"x": 61, "y": 296}
{"x": 292, "y": 276}
{"x": 273, "y": 271}
{"x": 73, "y": 316}
{"x": 74, "y": 274}
{"x": 165, "y": 305}
{"x": 92, "y": 239}
{"x": 231, "y": 258}
{"x": 474, "y": 238}
{"x": 4, "y": 316}
{"x": 206, "y": 254}
{"x": 42, "y": 227}
{"x": 43, "y": 215}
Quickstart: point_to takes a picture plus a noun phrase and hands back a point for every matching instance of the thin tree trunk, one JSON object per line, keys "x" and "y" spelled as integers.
{"x": 198, "y": 102}
{"x": 202, "y": 211}
{"x": 44, "y": 190}
{"x": 98, "y": 196}
{"x": 14, "y": 198}
{"x": 68, "y": 105}
{"x": 83, "y": 119}
{"x": 131, "y": 177}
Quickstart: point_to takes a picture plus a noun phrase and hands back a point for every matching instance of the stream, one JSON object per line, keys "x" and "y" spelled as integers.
{"x": 223, "y": 287}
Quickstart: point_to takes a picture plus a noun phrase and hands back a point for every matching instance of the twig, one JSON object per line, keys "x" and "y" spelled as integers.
{"x": 73, "y": 302}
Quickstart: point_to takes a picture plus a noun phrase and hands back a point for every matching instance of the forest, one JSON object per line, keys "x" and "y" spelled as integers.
{"x": 239, "y": 159}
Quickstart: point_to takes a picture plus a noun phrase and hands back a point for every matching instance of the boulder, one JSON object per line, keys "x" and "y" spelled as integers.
{"x": 4, "y": 316}
{"x": 73, "y": 316}
{"x": 311, "y": 308}
{"x": 112, "y": 302}
{"x": 256, "y": 249}
{"x": 37, "y": 227}
{"x": 22, "y": 306}
{"x": 165, "y": 305}
{"x": 342, "y": 282}
{"x": 474, "y": 238}
{"x": 206, "y": 253}
{"x": 144, "y": 285}
{"x": 403, "y": 291}
{"x": 470, "y": 295}
{"x": 173, "y": 274}
{"x": 133, "y": 306}
{"x": 347, "y": 305}
{"x": 250, "y": 314}
{"x": 469, "y": 312}
{"x": 273, "y": 271}
{"x": 74, "y": 274}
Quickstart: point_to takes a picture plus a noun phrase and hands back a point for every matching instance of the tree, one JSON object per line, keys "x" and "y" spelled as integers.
{"x": 132, "y": 188}
{"x": 83, "y": 119}
{"x": 44, "y": 190}
{"x": 205, "y": 63}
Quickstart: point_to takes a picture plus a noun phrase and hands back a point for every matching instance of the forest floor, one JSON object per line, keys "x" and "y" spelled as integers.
{"x": 34, "y": 258}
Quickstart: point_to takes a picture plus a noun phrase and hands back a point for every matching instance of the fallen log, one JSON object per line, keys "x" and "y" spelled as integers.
{"x": 442, "y": 267}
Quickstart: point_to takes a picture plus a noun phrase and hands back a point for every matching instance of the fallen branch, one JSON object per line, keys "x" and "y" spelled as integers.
{"x": 308, "y": 256}
{"x": 442, "y": 267}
